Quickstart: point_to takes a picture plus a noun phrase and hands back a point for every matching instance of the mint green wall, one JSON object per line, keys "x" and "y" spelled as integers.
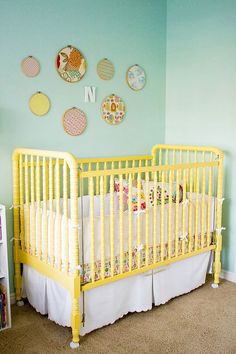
{"x": 127, "y": 32}
{"x": 201, "y": 89}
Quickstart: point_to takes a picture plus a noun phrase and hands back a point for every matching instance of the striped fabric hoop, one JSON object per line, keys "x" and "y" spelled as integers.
{"x": 30, "y": 66}
{"x": 105, "y": 69}
{"x": 74, "y": 121}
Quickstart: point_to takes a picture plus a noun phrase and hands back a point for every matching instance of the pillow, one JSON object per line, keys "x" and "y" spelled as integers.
{"x": 134, "y": 194}
{"x": 165, "y": 191}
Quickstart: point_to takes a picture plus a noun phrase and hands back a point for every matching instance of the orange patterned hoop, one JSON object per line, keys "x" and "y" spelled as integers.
{"x": 70, "y": 64}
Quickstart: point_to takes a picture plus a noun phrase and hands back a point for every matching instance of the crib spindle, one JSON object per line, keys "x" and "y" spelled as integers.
{"x": 170, "y": 217}
{"x": 177, "y": 215}
{"x": 21, "y": 181}
{"x": 139, "y": 221}
{"x": 121, "y": 222}
{"x": 209, "y": 207}
{"x": 147, "y": 219}
{"x": 91, "y": 211}
{"x": 38, "y": 203}
{"x": 51, "y": 217}
{"x": 102, "y": 246}
{"x": 112, "y": 224}
{"x": 45, "y": 219}
{"x": 130, "y": 220}
{"x": 196, "y": 211}
{"x": 203, "y": 183}
{"x": 184, "y": 213}
{"x": 162, "y": 214}
{"x": 65, "y": 212}
{"x": 32, "y": 201}
{"x": 27, "y": 205}
{"x": 190, "y": 220}
{"x": 155, "y": 219}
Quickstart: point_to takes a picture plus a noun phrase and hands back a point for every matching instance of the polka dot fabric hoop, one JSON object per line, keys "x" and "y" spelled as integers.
{"x": 30, "y": 66}
{"x": 74, "y": 121}
{"x": 70, "y": 64}
{"x": 39, "y": 104}
{"x": 113, "y": 109}
{"x": 105, "y": 69}
{"x": 136, "y": 77}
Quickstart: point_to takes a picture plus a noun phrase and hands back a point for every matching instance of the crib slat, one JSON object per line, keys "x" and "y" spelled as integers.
{"x": 45, "y": 219}
{"x": 196, "y": 211}
{"x": 203, "y": 206}
{"x": 177, "y": 215}
{"x": 162, "y": 213}
{"x": 27, "y": 205}
{"x": 58, "y": 214}
{"x": 22, "y": 223}
{"x": 112, "y": 224}
{"x": 65, "y": 213}
{"x": 105, "y": 178}
{"x": 147, "y": 219}
{"x": 32, "y": 201}
{"x": 51, "y": 217}
{"x": 102, "y": 227}
{"x": 195, "y": 172}
{"x": 139, "y": 221}
{"x": 39, "y": 209}
{"x": 97, "y": 179}
{"x": 190, "y": 222}
{"x": 91, "y": 212}
{"x": 130, "y": 220}
{"x": 184, "y": 212}
{"x": 170, "y": 217}
{"x": 209, "y": 208}
{"x": 155, "y": 219}
{"x": 121, "y": 222}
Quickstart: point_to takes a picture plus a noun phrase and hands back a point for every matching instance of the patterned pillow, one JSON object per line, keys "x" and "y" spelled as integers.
{"x": 134, "y": 194}
{"x": 165, "y": 191}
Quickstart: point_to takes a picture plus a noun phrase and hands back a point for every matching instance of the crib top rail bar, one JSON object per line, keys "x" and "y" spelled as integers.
{"x": 192, "y": 148}
{"x": 114, "y": 159}
{"x": 69, "y": 158}
{"x": 96, "y": 173}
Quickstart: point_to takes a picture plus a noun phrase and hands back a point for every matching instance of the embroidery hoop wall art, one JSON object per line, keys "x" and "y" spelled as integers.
{"x": 74, "y": 121}
{"x": 70, "y": 64}
{"x": 113, "y": 109}
{"x": 105, "y": 69}
{"x": 135, "y": 77}
{"x": 39, "y": 104}
{"x": 30, "y": 66}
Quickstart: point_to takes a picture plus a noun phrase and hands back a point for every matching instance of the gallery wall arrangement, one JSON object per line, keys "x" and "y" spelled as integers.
{"x": 71, "y": 66}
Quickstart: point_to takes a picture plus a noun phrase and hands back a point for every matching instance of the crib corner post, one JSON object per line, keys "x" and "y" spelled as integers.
{"x": 16, "y": 218}
{"x": 75, "y": 313}
{"x": 218, "y": 236}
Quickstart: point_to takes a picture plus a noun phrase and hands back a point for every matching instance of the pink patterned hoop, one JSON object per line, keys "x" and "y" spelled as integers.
{"x": 30, "y": 66}
{"x": 74, "y": 121}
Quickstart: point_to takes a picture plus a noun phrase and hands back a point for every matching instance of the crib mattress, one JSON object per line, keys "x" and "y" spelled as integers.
{"x": 105, "y": 304}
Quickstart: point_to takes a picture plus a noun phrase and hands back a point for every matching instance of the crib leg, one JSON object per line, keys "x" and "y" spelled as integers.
{"x": 217, "y": 262}
{"x": 18, "y": 281}
{"x": 75, "y": 323}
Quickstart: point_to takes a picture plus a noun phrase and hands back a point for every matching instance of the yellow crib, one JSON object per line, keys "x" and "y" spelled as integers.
{"x": 153, "y": 210}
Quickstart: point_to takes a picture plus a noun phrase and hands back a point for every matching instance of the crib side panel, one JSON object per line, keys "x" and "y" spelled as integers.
{"x": 45, "y": 206}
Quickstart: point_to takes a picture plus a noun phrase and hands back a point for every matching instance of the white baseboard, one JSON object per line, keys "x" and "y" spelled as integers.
{"x": 231, "y": 276}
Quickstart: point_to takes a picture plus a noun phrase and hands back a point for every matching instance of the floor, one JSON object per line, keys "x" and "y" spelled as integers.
{"x": 203, "y": 321}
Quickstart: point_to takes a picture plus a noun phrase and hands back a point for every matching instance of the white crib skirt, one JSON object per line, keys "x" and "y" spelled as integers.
{"x": 105, "y": 304}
